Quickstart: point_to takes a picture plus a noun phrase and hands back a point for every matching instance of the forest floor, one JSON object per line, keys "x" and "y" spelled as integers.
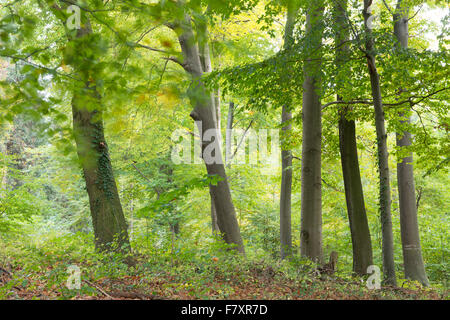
{"x": 39, "y": 268}
{"x": 251, "y": 280}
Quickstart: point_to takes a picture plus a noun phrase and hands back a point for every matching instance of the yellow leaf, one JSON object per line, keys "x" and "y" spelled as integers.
{"x": 141, "y": 99}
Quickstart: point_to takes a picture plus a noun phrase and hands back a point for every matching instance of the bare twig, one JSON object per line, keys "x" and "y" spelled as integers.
{"x": 148, "y": 48}
{"x": 419, "y": 196}
{"x": 332, "y": 187}
{"x": 140, "y": 172}
{"x": 415, "y": 14}
{"x": 40, "y": 67}
{"x": 6, "y": 271}
{"x": 242, "y": 139}
{"x": 98, "y": 288}
{"x": 387, "y": 7}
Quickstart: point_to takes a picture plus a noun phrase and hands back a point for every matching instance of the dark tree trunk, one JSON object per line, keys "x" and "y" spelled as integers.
{"x": 107, "y": 216}
{"x": 383, "y": 155}
{"x": 412, "y": 253}
{"x": 311, "y": 207}
{"x": 359, "y": 226}
{"x": 286, "y": 192}
{"x": 286, "y": 153}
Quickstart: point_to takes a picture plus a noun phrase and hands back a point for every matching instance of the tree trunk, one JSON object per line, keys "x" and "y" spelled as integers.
{"x": 107, "y": 216}
{"x": 286, "y": 191}
{"x": 359, "y": 226}
{"x": 108, "y": 219}
{"x": 412, "y": 254}
{"x": 311, "y": 207}
{"x": 203, "y": 106}
{"x": 286, "y": 153}
{"x": 15, "y": 147}
{"x": 383, "y": 164}
{"x": 228, "y": 133}
{"x": 214, "y": 225}
{"x": 205, "y": 62}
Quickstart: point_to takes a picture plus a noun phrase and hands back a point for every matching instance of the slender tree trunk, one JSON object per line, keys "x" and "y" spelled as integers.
{"x": 383, "y": 155}
{"x": 216, "y": 109}
{"x": 311, "y": 207}
{"x": 15, "y": 150}
{"x": 359, "y": 226}
{"x": 108, "y": 219}
{"x": 228, "y": 133}
{"x": 203, "y": 106}
{"x": 286, "y": 191}
{"x": 286, "y": 153}
{"x": 412, "y": 253}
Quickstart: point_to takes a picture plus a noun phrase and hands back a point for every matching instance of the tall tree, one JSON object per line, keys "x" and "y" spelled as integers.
{"x": 205, "y": 61}
{"x": 229, "y": 133}
{"x": 383, "y": 155}
{"x": 107, "y": 215}
{"x": 286, "y": 153}
{"x": 311, "y": 197}
{"x": 203, "y": 113}
{"x": 359, "y": 226}
{"x": 412, "y": 254}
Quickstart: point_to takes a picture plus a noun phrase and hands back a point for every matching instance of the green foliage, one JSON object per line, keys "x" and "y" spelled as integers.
{"x": 133, "y": 60}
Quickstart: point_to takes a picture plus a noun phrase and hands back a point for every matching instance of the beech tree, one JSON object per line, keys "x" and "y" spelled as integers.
{"x": 311, "y": 209}
{"x": 108, "y": 220}
{"x": 383, "y": 161}
{"x": 356, "y": 210}
{"x": 204, "y": 114}
{"x": 412, "y": 253}
{"x": 286, "y": 154}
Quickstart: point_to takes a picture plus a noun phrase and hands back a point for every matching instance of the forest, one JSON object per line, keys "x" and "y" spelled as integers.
{"x": 224, "y": 149}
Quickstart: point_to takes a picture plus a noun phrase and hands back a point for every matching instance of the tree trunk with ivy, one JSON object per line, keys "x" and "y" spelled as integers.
{"x": 383, "y": 155}
{"x": 108, "y": 220}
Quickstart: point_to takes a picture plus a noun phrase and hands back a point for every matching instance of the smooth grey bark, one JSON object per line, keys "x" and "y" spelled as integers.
{"x": 203, "y": 105}
{"x": 383, "y": 156}
{"x": 286, "y": 153}
{"x": 108, "y": 219}
{"x": 311, "y": 194}
{"x": 354, "y": 196}
{"x": 205, "y": 61}
{"x": 414, "y": 267}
